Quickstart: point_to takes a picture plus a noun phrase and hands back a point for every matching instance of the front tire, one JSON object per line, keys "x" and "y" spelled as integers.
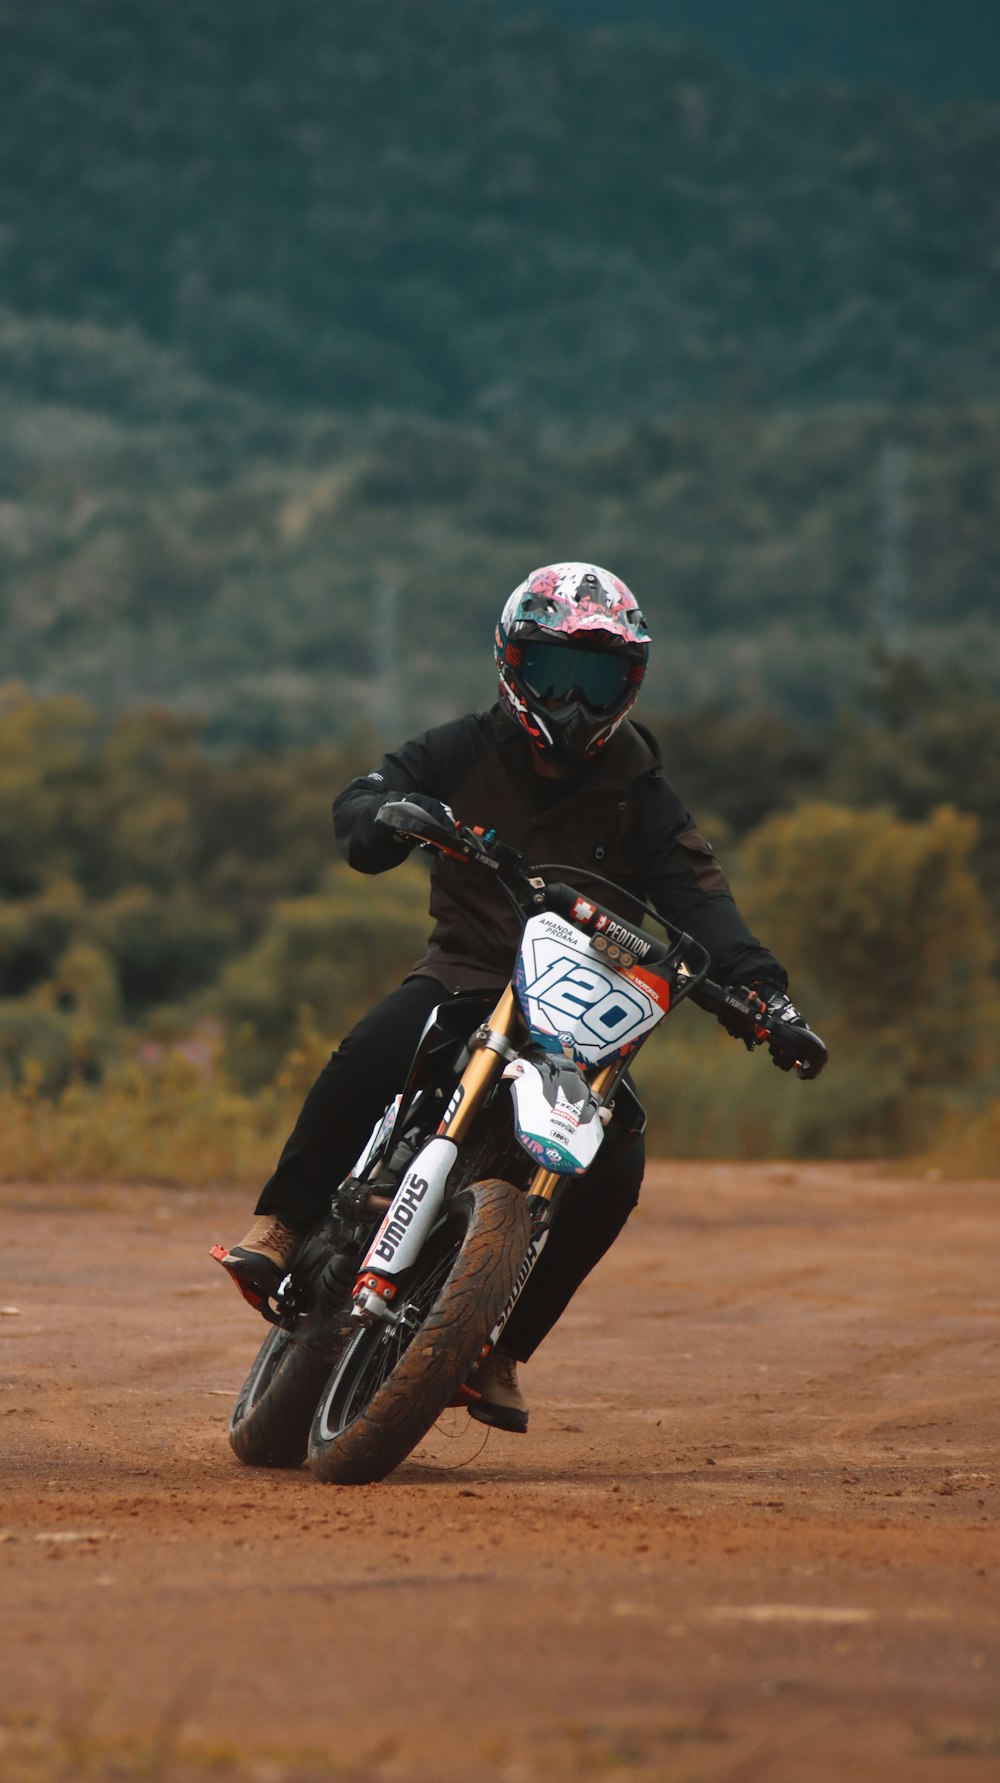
{"x": 394, "y": 1380}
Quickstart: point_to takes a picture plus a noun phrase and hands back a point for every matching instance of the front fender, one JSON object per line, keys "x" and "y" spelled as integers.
{"x": 558, "y": 1119}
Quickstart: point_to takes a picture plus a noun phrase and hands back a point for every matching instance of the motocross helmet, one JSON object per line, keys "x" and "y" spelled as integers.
{"x": 571, "y": 648}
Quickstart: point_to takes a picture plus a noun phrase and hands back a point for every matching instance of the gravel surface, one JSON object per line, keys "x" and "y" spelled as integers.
{"x": 751, "y": 1534}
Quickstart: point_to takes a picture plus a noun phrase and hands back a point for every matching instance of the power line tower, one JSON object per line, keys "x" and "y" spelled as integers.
{"x": 386, "y": 680}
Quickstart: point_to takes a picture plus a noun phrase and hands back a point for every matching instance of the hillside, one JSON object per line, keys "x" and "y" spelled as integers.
{"x": 924, "y": 49}
{"x": 294, "y": 575}
{"x": 432, "y": 205}
{"x": 321, "y": 324}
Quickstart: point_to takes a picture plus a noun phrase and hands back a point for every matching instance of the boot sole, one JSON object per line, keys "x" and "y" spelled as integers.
{"x": 256, "y": 1277}
{"x": 500, "y": 1417}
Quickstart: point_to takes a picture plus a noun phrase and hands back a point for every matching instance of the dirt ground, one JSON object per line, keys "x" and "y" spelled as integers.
{"x": 752, "y": 1533}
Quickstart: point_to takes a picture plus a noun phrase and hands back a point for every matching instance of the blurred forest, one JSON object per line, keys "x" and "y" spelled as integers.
{"x": 319, "y": 326}
{"x": 288, "y": 577}
{"x": 431, "y": 205}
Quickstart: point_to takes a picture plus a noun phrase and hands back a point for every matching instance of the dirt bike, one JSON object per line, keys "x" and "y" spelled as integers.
{"x": 400, "y": 1293}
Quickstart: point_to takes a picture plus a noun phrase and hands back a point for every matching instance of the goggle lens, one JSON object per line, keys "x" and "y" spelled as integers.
{"x": 552, "y": 672}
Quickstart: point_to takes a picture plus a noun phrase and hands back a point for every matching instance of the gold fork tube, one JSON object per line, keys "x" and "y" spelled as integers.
{"x": 481, "y": 1070}
{"x": 544, "y": 1183}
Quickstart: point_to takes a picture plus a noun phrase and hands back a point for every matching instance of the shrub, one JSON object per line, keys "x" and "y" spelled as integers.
{"x": 887, "y": 935}
{"x": 330, "y": 956}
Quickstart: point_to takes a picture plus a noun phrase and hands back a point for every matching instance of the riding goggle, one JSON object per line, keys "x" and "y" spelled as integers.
{"x": 552, "y": 672}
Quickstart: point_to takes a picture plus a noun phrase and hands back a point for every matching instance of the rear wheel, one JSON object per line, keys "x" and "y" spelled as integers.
{"x": 394, "y": 1380}
{"x": 271, "y": 1418}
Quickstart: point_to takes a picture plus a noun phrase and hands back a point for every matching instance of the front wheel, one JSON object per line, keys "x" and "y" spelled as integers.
{"x": 394, "y": 1380}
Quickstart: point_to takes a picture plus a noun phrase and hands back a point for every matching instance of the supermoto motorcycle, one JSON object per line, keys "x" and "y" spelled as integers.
{"x": 403, "y": 1289}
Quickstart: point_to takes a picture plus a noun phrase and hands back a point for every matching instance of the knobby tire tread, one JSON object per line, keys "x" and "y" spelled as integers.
{"x": 442, "y": 1354}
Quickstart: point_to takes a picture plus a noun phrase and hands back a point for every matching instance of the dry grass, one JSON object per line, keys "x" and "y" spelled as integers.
{"x": 168, "y": 1124}
{"x": 176, "y": 1123}
{"x": 76, "y": 1749}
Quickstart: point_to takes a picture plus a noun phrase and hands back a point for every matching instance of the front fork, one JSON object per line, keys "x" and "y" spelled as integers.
{"x": 420, "y": 1196}
{"x": 477, "y": 1077}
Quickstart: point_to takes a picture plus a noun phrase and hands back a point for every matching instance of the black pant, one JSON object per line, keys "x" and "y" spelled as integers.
{"x": 348, "y": 1097}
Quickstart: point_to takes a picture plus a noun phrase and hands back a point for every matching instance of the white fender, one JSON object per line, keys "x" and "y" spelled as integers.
{"x": 559, "y": 1130}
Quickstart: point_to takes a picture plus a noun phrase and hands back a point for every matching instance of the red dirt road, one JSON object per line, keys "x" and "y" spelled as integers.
{"x": 752, "y": 1533}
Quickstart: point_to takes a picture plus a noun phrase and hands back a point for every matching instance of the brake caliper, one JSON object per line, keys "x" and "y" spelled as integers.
{"x": 372, "y": 1298}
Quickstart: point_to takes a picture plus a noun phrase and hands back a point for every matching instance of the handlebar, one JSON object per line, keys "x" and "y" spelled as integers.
{"x": 686, "y": 959}
{"x": 685, "y": 962}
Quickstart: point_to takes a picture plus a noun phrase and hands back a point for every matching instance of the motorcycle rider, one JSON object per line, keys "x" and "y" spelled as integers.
{"x": 560, "y": 772}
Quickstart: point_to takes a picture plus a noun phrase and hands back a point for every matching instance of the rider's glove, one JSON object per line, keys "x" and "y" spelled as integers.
{"x": 771, "y": 1007}
{"x": 779, "y": 1007}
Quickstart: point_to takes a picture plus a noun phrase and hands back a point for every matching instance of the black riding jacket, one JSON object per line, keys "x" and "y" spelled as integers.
{"x": 619, "y": 818}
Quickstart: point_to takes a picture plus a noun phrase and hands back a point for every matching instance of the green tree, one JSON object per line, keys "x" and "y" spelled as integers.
{"x": 887, "y": 934}
{"x": 931, "y": 737}
{"x": 321, "y": 961}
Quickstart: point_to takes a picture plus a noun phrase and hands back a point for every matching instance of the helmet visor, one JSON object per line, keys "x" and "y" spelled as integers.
{"x": 551, "y": 672}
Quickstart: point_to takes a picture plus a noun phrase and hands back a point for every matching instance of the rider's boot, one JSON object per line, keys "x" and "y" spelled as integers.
{"x": 259, "y": 1262}
{"x": 500, "y": 1402}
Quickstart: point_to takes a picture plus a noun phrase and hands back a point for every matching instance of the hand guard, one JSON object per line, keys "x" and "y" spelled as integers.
{"x": 435, "y": 808}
